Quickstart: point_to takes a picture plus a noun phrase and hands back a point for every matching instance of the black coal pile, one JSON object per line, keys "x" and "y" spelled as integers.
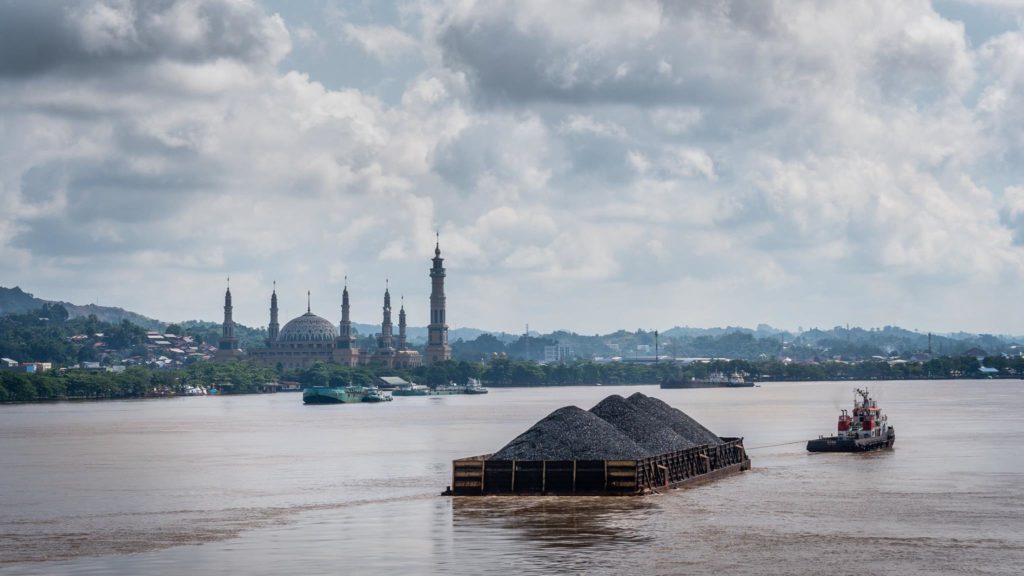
{"x": 651, "y": 432}
{"x": 571, "y": 433}
{"x": 676, "y": 419}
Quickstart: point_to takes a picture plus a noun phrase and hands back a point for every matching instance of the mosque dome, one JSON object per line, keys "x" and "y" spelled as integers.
{"x": 308, "y": 328}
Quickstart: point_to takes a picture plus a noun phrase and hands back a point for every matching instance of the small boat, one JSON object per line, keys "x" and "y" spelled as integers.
{"x": 446, "y": 390}
{"x": 411, "y": 389}
{"x": 377, "y": 395}
{"x": 713, "y": 380}
{"x": 864, "y": 430}
{"x": 473, "y": 386}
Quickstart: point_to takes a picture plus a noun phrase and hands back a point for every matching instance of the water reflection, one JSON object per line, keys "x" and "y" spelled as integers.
{"x": 555, "y": 522}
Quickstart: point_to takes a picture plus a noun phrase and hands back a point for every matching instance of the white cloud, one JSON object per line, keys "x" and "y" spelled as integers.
{"x": 591, "y": 165}
{"x": 583, "y": 124}
{"x": 688, "y": 161}
{"x": 386, "y": 43}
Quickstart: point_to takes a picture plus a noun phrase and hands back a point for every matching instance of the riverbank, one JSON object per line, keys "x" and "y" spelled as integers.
{"x": 253, "y": 485}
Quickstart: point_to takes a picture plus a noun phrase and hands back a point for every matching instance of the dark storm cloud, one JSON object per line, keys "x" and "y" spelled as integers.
{"x": 38, "y": 37}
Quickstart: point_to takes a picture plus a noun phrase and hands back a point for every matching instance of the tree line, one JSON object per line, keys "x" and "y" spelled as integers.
{"x": 246, "y": 376}
{"x": 136, "y": 382}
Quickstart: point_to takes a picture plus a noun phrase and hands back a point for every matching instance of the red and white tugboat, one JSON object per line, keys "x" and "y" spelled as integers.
{"x": 866, "y": 429}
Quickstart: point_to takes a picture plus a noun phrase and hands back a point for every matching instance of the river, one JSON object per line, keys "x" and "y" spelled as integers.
{"x": 265, "y": 485}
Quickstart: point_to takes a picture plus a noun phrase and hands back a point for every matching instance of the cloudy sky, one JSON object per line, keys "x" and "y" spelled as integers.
{"x": 590, "y": 165}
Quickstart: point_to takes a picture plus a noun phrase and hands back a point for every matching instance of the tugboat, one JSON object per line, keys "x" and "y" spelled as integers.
{"x": 866, "y": 429}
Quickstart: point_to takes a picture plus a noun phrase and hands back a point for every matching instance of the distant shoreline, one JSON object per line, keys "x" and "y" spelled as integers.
{"x": 505, "y": 386}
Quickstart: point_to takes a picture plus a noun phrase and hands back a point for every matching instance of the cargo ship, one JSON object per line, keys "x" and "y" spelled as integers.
{"x": 867, "y": 428}
{"x": 714, "y": 380}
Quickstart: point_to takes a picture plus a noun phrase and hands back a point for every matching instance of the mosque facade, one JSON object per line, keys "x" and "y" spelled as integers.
{"x": 308, "y": 339}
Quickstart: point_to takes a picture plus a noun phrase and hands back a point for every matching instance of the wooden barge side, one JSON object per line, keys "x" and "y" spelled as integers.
{"x": 476, "y": 475}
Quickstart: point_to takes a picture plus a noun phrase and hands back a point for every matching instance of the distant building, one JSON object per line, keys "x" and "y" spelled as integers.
{"x": 558, "y": 353}
{"x": 389, "y": 382}
{"x": 36, "y": 367}
{"x": 309, "y": 339}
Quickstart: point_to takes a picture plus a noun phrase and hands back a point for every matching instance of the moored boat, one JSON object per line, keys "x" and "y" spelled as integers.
{"x": 446, "y": 390}
{"x": 865, "y": 429}
{"x": 713, "y": 380}
{"x": 411, "y": 389}
{"x": 333, "y": 395}
{"x": 377, "y": 395}
{"x": 473, "y": 386}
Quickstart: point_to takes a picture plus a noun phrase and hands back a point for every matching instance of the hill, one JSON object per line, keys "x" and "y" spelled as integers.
{"x": 16, "y": 301}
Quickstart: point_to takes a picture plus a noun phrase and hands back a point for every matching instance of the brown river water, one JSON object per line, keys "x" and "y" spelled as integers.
{"x": 265, "y": 485}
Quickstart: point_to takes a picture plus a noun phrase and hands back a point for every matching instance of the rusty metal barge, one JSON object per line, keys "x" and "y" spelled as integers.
{"x": 478, "y": 475}
{"x": 620, "y": 447}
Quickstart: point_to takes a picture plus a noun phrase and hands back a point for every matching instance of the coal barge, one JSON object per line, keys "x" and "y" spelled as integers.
{"x": 866, "y": 429}
{"x": 621, "y": 446}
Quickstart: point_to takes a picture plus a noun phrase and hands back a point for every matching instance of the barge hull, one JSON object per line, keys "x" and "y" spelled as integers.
{"x": 477, "y": 475}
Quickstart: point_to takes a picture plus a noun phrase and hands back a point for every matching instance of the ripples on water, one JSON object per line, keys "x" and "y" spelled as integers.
{"x": 264, "y": 485}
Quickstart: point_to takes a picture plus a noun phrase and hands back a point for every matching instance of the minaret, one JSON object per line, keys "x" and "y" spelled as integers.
{"x": 273, "y": 329}
{"x": 402, "y": 343}
{"x": 227, "y": 347}
{"x": 385, "y": 343}
{"x": 345, "y": 328}
{"x": 345, "y": 351}
{"x": 438, "y": 349}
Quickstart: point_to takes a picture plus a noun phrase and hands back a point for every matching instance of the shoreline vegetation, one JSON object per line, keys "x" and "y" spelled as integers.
{"x": 248, "y": 378}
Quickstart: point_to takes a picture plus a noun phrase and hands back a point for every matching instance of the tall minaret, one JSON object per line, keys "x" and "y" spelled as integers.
{"x": 438, "y": 349}
{"x": 345, "y": 337}
{"x": 227, "y": 347}
{"x": 273, "y": 329}
{"x": 345, "y": 351}
{"x": 385, "y": 344}
{"x": 402, "y": 343}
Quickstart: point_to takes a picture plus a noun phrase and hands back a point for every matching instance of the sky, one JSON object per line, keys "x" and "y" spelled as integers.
{"x": 589, "y": 166}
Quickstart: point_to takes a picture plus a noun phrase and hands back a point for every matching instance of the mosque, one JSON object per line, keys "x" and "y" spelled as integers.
{"x": 309, "y": 339}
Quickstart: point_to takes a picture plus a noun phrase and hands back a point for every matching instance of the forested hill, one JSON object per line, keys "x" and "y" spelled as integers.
{"x": 47, "y": 334}
{"x": 16, "y": 301}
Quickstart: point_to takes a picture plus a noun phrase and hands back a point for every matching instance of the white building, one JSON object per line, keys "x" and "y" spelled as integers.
{"x": 558, "y": 353}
